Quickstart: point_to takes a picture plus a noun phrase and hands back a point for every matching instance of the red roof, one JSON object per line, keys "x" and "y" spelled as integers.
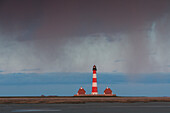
{"x": 107, "y": 91}
{"x": 81, "y": 91}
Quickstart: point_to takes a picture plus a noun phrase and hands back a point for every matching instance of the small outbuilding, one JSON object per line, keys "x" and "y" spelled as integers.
{"x": 107, "y": 91}
{"x": 81, "y": 91}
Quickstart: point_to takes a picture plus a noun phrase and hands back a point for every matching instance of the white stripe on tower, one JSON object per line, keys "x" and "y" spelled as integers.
{"x": 94, "y": 81}
{"x": 94, "y": 84}
{"x": 94, "y": 75}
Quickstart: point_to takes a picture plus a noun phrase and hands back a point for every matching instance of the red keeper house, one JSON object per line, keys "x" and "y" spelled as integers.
{"x": 81, "y": 91}
{"x": 107, "y": 91}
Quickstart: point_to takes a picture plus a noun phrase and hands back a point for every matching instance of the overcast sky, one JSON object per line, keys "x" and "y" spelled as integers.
{"x": 123, "y": 36}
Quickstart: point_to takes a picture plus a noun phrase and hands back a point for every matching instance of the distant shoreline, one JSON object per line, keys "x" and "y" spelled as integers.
{"x": 76, "y": 100}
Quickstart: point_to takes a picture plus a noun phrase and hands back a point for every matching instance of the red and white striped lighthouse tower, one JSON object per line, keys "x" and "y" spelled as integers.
{"x": 94, "y": 81}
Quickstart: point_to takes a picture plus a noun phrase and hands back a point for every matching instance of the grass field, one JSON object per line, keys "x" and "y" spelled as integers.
{"x": 53, "y": 100}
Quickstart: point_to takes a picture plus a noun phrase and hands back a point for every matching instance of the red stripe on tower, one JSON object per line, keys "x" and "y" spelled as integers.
{"x": 94, "y": 82}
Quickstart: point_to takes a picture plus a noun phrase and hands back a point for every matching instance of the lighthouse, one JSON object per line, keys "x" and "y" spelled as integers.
{"x": 94, "y": 81}
{"x": 107, "y": 91}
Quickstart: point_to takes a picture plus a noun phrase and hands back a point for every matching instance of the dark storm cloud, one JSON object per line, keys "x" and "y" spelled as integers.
{"x": 66, "y": 19}
{"x": 20, "y": 18}
{"x": 65, "y": 35}
{"x": 71, "y": 18}
{"x": 80, "y": 18}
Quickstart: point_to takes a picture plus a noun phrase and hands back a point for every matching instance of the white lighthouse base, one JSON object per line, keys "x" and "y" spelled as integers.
{"x": 94, "y": 93}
